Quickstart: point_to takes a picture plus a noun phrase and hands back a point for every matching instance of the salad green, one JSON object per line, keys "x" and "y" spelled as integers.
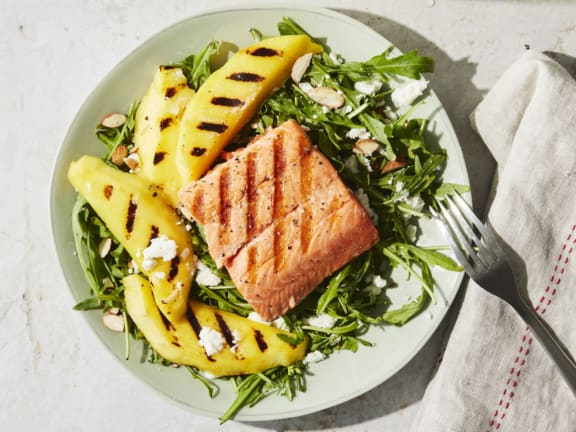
{"x": 354, "y": 298}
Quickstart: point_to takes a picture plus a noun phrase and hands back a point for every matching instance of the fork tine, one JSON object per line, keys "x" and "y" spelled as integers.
{"x": 444, "y": 227}
{"x": 484, "y": 229}
{"x": 461, "y": 237}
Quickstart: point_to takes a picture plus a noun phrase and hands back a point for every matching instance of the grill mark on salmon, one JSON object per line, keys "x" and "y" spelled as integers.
{"x": 292, "y": 223}
{"x": 224, "y": 216}
{"x": 212, "y": 127}
{"x": 227, "y": 102}
{"x": 246, "y": 77}
{"x": 251, "y": 187}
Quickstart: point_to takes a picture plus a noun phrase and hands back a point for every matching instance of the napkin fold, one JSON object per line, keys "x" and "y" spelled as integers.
{"x": 494, "y": 376}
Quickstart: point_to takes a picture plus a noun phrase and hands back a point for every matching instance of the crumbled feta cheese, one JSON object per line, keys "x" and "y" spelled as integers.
{"x": 335, "y": 57}
{"x": 280, "y": 323}
{"x": 204, "y": 275}
{"x": 365, "y": 202}
{"x": 314, "y": 357}
{"x": 369, "y": 87}
{"x": 323, "y": 320}
{"x": 160, "y": 248}
{"x": 390, "y": 115}
{"x": 211, "y": 340}
{"x": 379, "y": 281}
{"x": 399, "y": 186}
{"x": 347, "y": 109}
{"x": 237, "y": 337}
{"x": 305, "y": 86}
{"x": 178, "y": 74}
{"x": 325, "y": 109}
{"x": 158, "y": 275}
{"x": 358, "y": 133}
{"x": 351, "y": 164}
{"x": 405, "y": 95}
{"x": 188, "y": 227}
{"x": 415, "y": 202}
{"x": 373, "y": 289}
{"x": 255, "y": 316}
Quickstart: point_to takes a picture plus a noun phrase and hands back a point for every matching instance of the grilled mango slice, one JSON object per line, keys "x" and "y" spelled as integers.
{"x": 247, "y": 346}
{"x": 157, "y": 126}
{"x": 137, "y": 215}
{"x": 230, "y": 97}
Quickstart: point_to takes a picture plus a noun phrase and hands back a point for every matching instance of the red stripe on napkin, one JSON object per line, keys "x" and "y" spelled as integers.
{"x": 513, "y": 376}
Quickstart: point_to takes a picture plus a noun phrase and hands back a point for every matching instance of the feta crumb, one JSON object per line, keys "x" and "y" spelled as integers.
{"x": 351, "y": 164}
{"x": 255, "y": 316}
{"x": 237, "y": 337}
{"x": 188, "y": 227}
{"x": 358, "y": 133}
{"x": 415, "y": 202}
{"x": 390, "y": 115}
{"x": 369, "y": 87}
{"x": 280, "y": 323}
{"x": 405, "y": 95}
{"x": 379, "y": 281}
{"x": 178, "y": 74}
{"x": 211, "y": 340}
{"x": 160, "y": 248}
{"x": 323, "y": 320}
{"x": 204, "y": 275}
{"x": 325, "y": 109}
{"x": 373, "y": 289}
{"x": 347, "y": 109}
{"x": 314, "y": 357}
{"x": 335, "y": 57}
{"x": 158, "y": 275}
{"x": 365, "y": 202}
{"x": 305, "y": 87}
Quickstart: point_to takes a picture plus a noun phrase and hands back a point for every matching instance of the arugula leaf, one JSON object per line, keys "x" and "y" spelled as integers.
{"x": 408, "y": 311}
{"x": 196, "y": 67}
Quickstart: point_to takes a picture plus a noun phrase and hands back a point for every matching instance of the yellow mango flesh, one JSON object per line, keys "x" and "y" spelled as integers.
{"x": 135, "y": 213}
{"x": 230, "y": 97}
{"x": 157, "y": 126}
{"x": 251, "y": 347}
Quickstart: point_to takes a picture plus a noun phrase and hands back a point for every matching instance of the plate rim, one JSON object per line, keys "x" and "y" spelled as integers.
{"x": 244, "y": 415}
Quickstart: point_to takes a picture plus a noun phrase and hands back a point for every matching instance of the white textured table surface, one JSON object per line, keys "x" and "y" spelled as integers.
{"x": 54, "y": 374}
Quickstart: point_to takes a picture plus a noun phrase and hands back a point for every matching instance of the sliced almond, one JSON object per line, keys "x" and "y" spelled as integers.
{"x": 173, "y": 295}
{"x": 366, "y": 146}
{"x": 113, "y": 120}
{"x": 104, "y": 247}
{"x": 392, "y": 165}
{"x": 327, "y": 97}
{"x": 114, "y": 311}
{"x": 132, "y": 161}
{"x": 113, "y": 322}
{"x": 119, "y": 154}
{"x": 300, "y": 66}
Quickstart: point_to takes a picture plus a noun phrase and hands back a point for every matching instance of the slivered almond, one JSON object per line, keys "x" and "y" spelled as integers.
{"x": 104, "y": 247}
{"x": 300, "y": 66}
{"x": 132, "y": 161}
{"x": 392, "y": 165}
{"x": 113, "y": 120}
{"x": 119, "y": 154}
{"x": 327, "y": 97}
{"x": 366, "y": 146}
{"x": 113, "y": 322}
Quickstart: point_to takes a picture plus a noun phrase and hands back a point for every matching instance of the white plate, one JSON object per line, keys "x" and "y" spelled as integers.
{"x": 344, "y": 375}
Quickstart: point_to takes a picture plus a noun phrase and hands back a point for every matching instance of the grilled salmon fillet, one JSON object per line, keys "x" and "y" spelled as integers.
{"x": 279, "y": 218}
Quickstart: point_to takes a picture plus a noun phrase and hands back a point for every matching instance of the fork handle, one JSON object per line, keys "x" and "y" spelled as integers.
{"x": 549, "y": 342}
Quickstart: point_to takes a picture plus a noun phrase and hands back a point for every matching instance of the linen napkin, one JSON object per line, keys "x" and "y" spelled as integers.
{"x": 494, "y": 376}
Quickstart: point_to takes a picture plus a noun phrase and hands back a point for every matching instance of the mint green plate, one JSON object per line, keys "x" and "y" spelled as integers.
{"x": 342, "y": 376}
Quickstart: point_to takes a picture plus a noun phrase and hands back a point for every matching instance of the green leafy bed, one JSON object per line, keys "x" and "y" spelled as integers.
{"x": 397, "y": 199}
